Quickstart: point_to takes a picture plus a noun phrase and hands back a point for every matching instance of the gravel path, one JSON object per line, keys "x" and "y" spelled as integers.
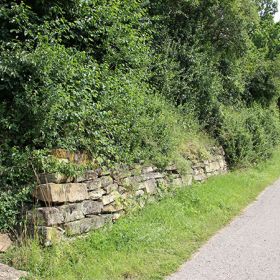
{"x": 9, "y": 273}
{"x": 247, "y": 249}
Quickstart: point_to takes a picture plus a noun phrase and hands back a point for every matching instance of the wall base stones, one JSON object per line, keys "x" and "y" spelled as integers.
{"x": 73, "y": 206}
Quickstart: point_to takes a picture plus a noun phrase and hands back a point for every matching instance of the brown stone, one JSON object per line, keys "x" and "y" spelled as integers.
{"x": 61, "y": 193}
{"x": 112, "y": 208}
{"x": 58, "y": 178}
{"x": 72, "y": 212}
{"x": 5, "y": 242}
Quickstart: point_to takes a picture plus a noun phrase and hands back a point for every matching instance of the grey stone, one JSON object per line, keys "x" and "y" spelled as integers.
{"x": 90, "y": 207}
{"x": 171, "y": 168}
{"x": 84, "y": 225}
{"x": 199, "y": 177}
{"x": 107, "y": 199}
{"x": 113, "y": 207}
{"x": 131, "y": 182}
{"x": 110, "y": 188}
{"x": 97, "y": 194}
{"x": 61, "y": 193}
{"x": 46, "y": 216}
{"x": 5, "y": 242}
{"x": 139, "y": 193}
{"x": 72, "y": 212}
{"x": 106, "y": 181}
{"x": 148, "y": 169}
{"x": 150, "y": 186}
{"x": 152, "y": 175}
{"x": 9, "y": 273}
{"x": 94, "y": 185}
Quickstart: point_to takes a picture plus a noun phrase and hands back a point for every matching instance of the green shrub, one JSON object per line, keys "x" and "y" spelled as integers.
{"x": 249, "y": 134}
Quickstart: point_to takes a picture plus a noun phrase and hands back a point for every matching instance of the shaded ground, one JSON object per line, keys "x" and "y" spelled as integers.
{"x": 247, "y": 249}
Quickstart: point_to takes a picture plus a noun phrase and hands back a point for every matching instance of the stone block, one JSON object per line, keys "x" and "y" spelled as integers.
{"x": 106, "y": 181}
{"x": 150, "y": 186}
{"x": 152, "y": 175}
{"x": 57, "y": 178}
{"x": 61, "y": 193}
{"x": 72, "y": 212}
{"x": 171, "y": 168}
{"x": 84, "y": 225}
{"x": 107, "y": 199}
{"x": 5, "y": 242}
{"x": 112, "y": 208}
{"x": 90, "y": 207}
{"x": 110, "y": 188}
{"x": 200, "y": 177}
{"x": 131, "y": 182}
{"x": 94, "y": 185}
{"x": 148, "y": 169}
{"x": 139, "y": 193}
{"x": 49, "y": 235}
{"x": 46, "y": 216}
{"x": 97, "y": 194}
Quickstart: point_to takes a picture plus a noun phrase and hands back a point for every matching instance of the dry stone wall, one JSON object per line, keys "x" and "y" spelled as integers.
{"x": 71, "y": 207}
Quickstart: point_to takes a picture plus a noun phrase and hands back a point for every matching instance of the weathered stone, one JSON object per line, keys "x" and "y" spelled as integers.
{"x": 61, "y": 193}
{"x": 97, "y": 194}
{"x": 9, "y": 273}
{"x": 72, "y": 212}
{"x": 139, "y": 193}
{"x": 212, "y": 166}
{"x": 198, "y": 171}
{"x": 5, "y": 242}
{"x": 131, "y": 182}
{"x": 90, "y": 207}
{"x": 49, "y": 235}
{"x": 111, "y": 208}
{"x": 110, "y": 188}
{"x": 94, "y": 185}
{"x": 58, "y": 178}
{"x": 107, "y": 199}
{"x": 148, "y": 169}
{"x": 171, "y": 168}
{"x": 121, "y": 174}
{"x": 199, "y": 177}
{"x": 106, "y": 181}
{"x": 46, "y": 216}
{"x": 150, "y": 186}
{"x": 84, "y": 225}
{"x": 152, "y": 175}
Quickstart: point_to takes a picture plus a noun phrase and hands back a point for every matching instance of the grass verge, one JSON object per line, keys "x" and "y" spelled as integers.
{"x": 151, "y": 243}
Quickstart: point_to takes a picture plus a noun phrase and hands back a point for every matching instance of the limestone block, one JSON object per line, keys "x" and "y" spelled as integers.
{"x": 5, "y": 242}
{"x": 150, "y": 186}
{"x": 87, "y": 176}
{"x": 106, "y": 181}
{"x": 94, "y": 185}
{"x": 90, "y": 207}
{"x": 61, "y": 193}
{"x": 97, "y": 194}
{"x": 57, "y": 178}
{"x": 72, "y": 212}
{"x": 112, "y": 208}
{"x": 110, "y": 188}
{"x": 148, "y": 169}
{"x": 107, "y": 199}
{"x": 122, "y": 174}
{"x": 84, "y": 225}
{"x": 152, "y": 175}
{"x": 131, "y": 182}
{"x": 171, "y": 168}
{"x": 46, "y": 216}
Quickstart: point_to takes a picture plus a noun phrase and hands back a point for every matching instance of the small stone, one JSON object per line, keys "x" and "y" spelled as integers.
{"x": 61, "y": 193}
{"x": 96, "y": 195}
{"x": 5, "y": 242}
{"x": 90, "y": 207}
{"x": 139, "y": 193}
{"x": 106, "y": 181}
{"x": 150, "y": 186}
{"x": 94, "y": 185}
{"x": 171, "y": 168}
